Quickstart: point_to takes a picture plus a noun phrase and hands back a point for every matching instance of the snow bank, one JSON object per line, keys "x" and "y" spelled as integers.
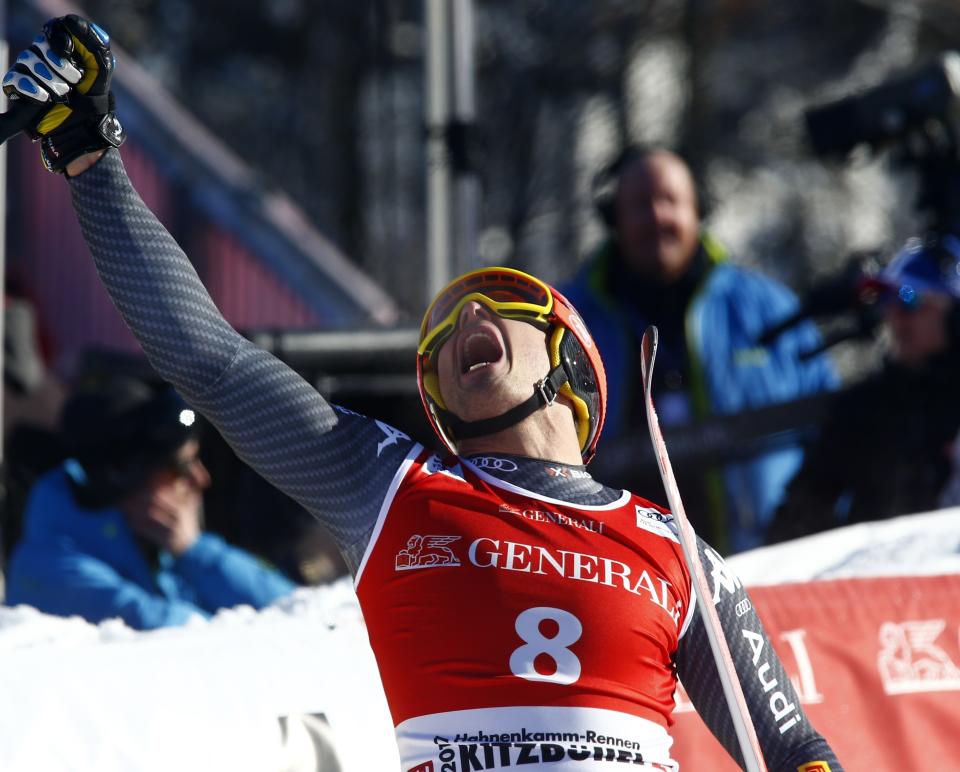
{"x": 207, "y": 696}
{"x": 924, "y": 544}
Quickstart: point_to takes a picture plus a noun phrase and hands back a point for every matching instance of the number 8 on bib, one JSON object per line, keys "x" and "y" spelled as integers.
{"x": 536, "y": 643}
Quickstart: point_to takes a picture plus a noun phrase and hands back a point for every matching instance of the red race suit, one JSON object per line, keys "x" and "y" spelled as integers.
{"x": 511, "y": 629}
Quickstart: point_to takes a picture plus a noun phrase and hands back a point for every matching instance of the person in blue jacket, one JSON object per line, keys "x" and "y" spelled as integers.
{"x": 658, "y": 266}
{"x": 115, "y": 531}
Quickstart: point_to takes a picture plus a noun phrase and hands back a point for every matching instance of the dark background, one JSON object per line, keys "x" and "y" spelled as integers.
{"x": 326, "y": 100}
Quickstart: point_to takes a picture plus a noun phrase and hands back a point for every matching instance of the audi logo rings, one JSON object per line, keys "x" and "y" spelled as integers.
{"x": 496, "y": 464}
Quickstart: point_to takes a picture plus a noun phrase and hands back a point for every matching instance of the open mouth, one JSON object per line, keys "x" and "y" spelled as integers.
{"x": 479, "y": 348}
{"x": 667, "y": 235}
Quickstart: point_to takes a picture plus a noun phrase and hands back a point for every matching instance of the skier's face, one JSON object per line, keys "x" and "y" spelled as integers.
{"x": 919, "y": 331}
{"x": 489, "y": 364}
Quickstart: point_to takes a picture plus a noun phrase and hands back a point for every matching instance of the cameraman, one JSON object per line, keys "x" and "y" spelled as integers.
{"x": 115, "y": 531}
{"x": 885, "y": 448}
{"x": 659, "y": 266}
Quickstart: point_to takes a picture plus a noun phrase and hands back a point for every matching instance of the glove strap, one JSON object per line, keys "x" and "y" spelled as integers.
{"x": 65, "y": 146}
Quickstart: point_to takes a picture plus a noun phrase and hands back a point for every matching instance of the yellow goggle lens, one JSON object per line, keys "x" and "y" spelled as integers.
{"x": 508, "y": 293}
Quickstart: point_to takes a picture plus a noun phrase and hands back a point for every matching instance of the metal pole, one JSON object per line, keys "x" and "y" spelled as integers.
{"x": 439, "y": 205}
{"x": 467, "y": 193}
{"x": 4, "y": 46}
{"x": 3, "y": 273}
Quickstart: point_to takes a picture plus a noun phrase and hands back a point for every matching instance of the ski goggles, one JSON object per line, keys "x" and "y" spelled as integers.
{"x": 509, "y": 293}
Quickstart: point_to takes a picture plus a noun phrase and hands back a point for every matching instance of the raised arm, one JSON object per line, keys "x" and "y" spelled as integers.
{"x": 338, "y": 465}
{"x": 786, "y": 737}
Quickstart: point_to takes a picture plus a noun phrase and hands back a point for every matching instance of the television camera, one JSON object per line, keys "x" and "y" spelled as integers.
{"x": 916, "y": 118}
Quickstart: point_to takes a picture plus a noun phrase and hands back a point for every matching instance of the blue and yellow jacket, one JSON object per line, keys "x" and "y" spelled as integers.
{"x": 73, "y": 561}
{"x": 728, "y": 371}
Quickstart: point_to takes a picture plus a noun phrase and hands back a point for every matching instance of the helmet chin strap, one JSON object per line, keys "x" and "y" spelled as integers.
{"x": 544, "y": 393}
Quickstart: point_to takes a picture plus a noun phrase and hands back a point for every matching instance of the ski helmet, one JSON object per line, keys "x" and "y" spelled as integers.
{"x": 576, "y": 368}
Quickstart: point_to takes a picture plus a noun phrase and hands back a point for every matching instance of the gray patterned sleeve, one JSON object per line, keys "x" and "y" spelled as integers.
{"x": 335, "y": 463}
{"x": 787, "y": 738}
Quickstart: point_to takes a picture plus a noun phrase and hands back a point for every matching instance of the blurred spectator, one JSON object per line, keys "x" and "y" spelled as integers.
{"x": 31, "y": 394}
{"x": 115, "y": 531}
{"x": 32, "y": 399}
{"x": 886, "y": 448}
{"x": 657, "y": 266}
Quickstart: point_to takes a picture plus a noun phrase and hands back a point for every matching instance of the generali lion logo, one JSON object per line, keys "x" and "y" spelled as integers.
{"x": 427, "y": 552}
{"x": 911, "y": 661}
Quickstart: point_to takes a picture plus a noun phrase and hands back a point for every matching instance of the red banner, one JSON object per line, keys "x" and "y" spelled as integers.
{"x": 876, "y": 664}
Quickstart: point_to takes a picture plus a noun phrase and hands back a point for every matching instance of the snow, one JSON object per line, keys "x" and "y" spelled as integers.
{"x": 923, "y": 544}
{"x": 207, "y": 696}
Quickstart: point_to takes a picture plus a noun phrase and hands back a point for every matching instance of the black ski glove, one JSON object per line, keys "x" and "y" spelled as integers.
{"x": 67, "y": 70}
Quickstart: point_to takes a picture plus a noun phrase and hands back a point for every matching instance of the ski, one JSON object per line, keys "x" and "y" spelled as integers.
{"x": 746, "y": 733}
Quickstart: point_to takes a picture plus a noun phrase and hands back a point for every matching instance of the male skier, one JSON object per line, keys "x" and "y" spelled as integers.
{"x": 521, "y": 613}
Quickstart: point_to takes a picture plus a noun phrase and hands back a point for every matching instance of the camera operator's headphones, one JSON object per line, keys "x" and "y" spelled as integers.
{"x": 606, "y": 182}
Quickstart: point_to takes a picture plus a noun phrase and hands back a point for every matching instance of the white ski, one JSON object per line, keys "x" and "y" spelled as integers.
{"x": 746, "y": 734}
